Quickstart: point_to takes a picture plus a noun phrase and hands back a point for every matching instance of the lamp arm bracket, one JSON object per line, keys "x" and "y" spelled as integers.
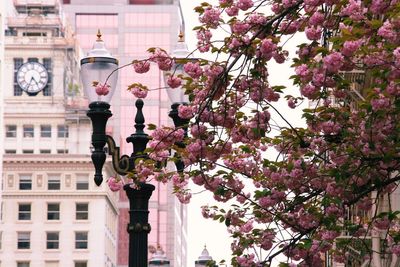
{"x": 121, "y": 164}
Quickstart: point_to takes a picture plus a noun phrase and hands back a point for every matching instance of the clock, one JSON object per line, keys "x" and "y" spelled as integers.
{"x": 32, "y": 77}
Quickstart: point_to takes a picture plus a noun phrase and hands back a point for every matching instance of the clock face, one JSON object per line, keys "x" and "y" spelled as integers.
{"x": 32, "y": 77}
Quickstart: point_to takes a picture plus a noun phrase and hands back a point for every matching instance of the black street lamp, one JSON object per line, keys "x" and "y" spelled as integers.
{"x": 98, "y": 66}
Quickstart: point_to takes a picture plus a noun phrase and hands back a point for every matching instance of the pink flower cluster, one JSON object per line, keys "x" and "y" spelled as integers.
{"x": 211, "y": 17}
{"x": 163, "y": 60}
{"x": 102, "y": 89}
{"x": 193, "y": 69}
{"x": 114, "y": 184}
{"x": 139, "y": 91}
{"x": 174, "y": 82}
{"x": 141, "y": 66}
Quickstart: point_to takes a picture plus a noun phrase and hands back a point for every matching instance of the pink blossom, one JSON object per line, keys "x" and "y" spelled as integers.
{"x": 245, "y": 260}
{"x": 184, "y": 198}
{"x": 312, "y": 2}
{"x": 396, "y": 249}
{"x": 304, "y": 72}
{"x": 317, "y": 19}
{"x": 349, "y": 47}
{"x": 114, "y": 184}
{"x": 211, "y": 17}
{"x": 163, "y": 60}
{"x": 185, "y": 112}
{"x": 244, "y": 4}
{"x": 288, "y": 3}
{"x": 313, "y": 33}
{"x": 174, "y": 81}
{"x": 139, "y": 92}
{"x": 354, "y": 10}
{"x": 333, "y": 62}
{"x": 279, "y": 57}
{"x": 289, "y": 27}
{"x": 292, "y": 102}
{"x": 393, "y": 89}
{"x": 309, "y": 91}
{"x": 329, "y": 127}
{"x": 247, "y": 227}
{"x": 232, "y": 11}
{"x": 396, "y": 54}
{"x": 240, "y": 27}
{"x": 379, "y": 6}
{"x": 204, "y": 35}
{"x": 329, "y": 235}
{"x": 380, "y": 103}
{"x": 267, "y": 47}
{"x": 141, "y": 66}
{"x": 387, "y": 31}
{"x": 193, "y": 69}
{"x": 102, "y": 89}
{"x": 257, "y": 19}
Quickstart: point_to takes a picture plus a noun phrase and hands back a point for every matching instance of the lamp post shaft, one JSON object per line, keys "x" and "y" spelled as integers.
{"x": 138, "y": 227}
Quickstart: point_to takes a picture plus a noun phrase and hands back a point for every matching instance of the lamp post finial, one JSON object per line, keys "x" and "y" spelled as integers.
{"x": 98, "y": 35}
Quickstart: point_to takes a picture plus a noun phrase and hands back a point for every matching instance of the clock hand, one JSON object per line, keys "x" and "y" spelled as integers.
{"x": 29, "y": 84}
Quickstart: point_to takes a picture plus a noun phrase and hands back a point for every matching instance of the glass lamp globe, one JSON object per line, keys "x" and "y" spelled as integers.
{"x": 159, "y": 259}
{"x": 177, "y": 95}
{"x": 97, "y": 67}
{"x": 204, "y": 259}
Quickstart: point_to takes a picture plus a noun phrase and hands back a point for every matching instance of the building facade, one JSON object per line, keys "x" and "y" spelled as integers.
{"x": 52, "y": 212}
{"x": 129, "y": 28}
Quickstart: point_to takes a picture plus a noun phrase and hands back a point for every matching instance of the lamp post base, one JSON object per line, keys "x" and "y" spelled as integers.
{"x": 138, "y": 227}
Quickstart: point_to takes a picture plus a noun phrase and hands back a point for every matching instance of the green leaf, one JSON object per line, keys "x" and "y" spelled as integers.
{"x": 151, "y": 126}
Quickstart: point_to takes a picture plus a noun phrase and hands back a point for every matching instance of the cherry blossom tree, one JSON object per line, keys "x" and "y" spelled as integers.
{"x": 331, "y": 188}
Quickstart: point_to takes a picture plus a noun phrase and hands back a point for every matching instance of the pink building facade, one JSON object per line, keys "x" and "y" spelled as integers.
{"x": 129, "y": 28}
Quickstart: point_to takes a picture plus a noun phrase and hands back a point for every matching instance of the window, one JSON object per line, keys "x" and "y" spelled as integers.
{"x": 34, "y": 34}
{"x": 52, "y": 240}
{"x": 11, "y": 131}
{"x": 80, "y": 264}
{"x": 45, "y": 130}
{"x": 33, "y": 59}
{"x": 29, "y": 131}
{"x": 48, "y": 66}
{"x": 82, "y": 211}
{"x": 82, "y": 182}
{"x": 23, "y": 264}
{"x": 45, "y": 151}
{"x": 62, "y": 131}
{"x": 53, "y": 211}
{"x": 24, "y": 241}
{"x": 1, "y": 239}
{"x": 62, "y": 151}
{"x": 17, "y": 63}
{"x": 24, "y": 211}
{"x": 27, "y": 151}
{"x": 11, "y": 151}
{"x": 25, "y": 182}
{"x": 53, "y": 182}
{"x": 81, "y": 240}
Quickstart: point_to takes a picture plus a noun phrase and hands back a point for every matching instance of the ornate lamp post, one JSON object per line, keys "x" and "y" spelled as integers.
{"x": 205, "y": 259}
{"x": 98, "y": 66}
{"x": 159, "y": 259}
